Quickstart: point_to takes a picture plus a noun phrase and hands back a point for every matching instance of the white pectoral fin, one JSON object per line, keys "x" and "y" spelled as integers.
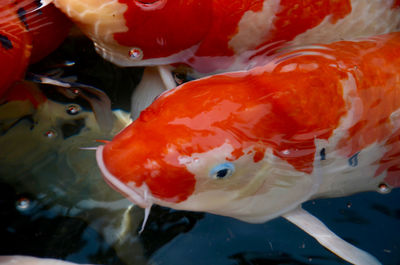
{"x": 315, "y": 228}
{"x": 166, "y": 76}
{"x": 151, "y": 86}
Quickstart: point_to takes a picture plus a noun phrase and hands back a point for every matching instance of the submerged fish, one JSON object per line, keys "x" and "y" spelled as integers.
{"x": 317, "y": 121}
{"x": 211, "y": 35}
{"x": 42, "y": 157}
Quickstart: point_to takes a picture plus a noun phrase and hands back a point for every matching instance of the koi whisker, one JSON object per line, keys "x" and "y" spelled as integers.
{"x": 94, "y": 148}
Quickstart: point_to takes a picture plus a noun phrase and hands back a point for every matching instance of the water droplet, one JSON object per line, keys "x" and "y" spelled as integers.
{"x": 73, "y": 109}
{"x": 135, "y": 54}
{"x": 69, "y": 63}
{"x": 23, "y": 204}
{"x": 384, "y": 188}
{"x": 50, "y": 134}
{"x": 286, "y": 152}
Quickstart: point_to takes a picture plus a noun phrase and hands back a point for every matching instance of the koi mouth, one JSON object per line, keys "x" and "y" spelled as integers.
{"x": 140, "y": 196}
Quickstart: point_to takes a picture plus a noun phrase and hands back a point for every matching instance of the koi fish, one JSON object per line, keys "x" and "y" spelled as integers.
{"x": 28, "y": 33}
{"x": 214, "y": 36}
{"x": 40, "y": 138}
{"x": 317, "y": 121}
{"x": 47, "y": 26}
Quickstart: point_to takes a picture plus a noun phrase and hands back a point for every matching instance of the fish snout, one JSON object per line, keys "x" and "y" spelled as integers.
{"x": 139, "y": 195}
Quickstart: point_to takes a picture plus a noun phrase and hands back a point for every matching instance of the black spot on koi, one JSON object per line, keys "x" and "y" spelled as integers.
{"x": 22, "y": 16}
{"x": 353, "y": 161}
{"x": 322, "y": 154}
{"x": 5, "y": 42}
{"x": 38, "y": 5}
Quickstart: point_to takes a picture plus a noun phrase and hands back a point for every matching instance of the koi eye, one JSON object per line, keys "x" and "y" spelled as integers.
{"x": 222, "y": 171}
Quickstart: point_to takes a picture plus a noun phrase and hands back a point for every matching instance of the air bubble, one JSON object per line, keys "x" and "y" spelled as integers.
{"x": 50, "y": 134}
{"x": 23, "y": 204}
{"x": 384, "y": 188}
{"x": 73, "y": 109}
{"x": 348, "y": 205}
{"x": 135, "y": 54}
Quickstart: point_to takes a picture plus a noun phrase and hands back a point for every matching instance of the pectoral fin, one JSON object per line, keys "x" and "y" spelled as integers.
{"x": 315, "y": 228}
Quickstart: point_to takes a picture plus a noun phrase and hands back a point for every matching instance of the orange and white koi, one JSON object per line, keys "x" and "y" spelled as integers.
{"x": 317, "y": 121}
{"x": 214, "y": 35}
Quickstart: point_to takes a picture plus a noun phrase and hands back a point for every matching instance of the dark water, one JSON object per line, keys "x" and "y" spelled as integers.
{"x": 54, "y": 203}
{"x": 369, "y": 220}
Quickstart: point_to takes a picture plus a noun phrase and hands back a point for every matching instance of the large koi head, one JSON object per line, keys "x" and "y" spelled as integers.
{"x": 237, "y": 144}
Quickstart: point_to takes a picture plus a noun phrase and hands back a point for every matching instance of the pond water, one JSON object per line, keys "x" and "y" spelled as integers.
{"x": 54, "y": 202}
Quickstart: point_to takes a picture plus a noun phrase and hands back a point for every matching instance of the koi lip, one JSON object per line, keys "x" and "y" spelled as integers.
{"x": 140, "y": 196}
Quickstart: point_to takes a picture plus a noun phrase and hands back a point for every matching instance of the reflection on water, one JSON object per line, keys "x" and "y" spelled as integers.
{"x": 54, "y": 202}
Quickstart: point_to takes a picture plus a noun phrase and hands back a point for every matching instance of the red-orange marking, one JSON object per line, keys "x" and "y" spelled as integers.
{"x": 161, "y": 32}
{"x": 299, "y": 16}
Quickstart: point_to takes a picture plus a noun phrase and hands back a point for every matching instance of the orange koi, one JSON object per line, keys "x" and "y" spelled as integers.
{"x": 15, "y": 48}
{"x": 28, "y": 33}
